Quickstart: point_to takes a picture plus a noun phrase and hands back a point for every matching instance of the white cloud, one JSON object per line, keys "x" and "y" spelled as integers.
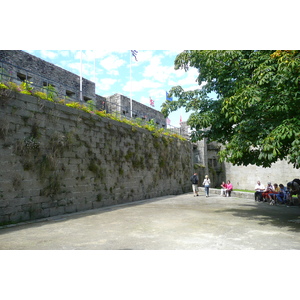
{"x": 144, "y": 56}
{"x": 189, "y": 78}
{"x": 105, "y": 83}
{"x": 113, "y": 72}
{"x": 172, "y": 52}
{"x": 101, "y": 53}
{"x": 48, "y": 54}
{"x": 88, "y": 70}
{"x": 145, "y": 100}
{"x": 64, "y": 53}
{"x": 137, "y": 86}
{"x": 112, "y": 62}
{"x": 157, "y": 94}
{"x": 91, "y": 55}
{"x": 162, "y": 73}
{"x": 74, "y": 67}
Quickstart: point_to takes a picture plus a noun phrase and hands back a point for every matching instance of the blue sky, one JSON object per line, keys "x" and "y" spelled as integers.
{"x": 152, "y": 75}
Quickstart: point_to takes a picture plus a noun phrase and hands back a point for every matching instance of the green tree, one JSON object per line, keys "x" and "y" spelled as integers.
{"x": 255, "y": 114}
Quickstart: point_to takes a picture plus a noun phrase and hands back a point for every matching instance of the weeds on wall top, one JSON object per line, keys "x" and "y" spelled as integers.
{"x": 49, "y": 93}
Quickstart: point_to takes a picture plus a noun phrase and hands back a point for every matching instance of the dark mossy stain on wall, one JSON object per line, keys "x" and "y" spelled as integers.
{"x": 57, "y": 160}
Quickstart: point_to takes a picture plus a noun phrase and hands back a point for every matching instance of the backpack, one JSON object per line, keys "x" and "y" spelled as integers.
{"x": 194, "y": 179}
{"x": 297, "y": 180}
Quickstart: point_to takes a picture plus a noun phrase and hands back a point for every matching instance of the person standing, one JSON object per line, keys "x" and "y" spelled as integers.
{"x": 195, "y": 181}
{"x": 206, "y": 183}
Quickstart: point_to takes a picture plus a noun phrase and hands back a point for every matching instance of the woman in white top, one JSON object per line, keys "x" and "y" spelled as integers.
{"x": 206, "y": 183}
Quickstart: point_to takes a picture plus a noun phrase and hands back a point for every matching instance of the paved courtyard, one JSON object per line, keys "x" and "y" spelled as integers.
{"x": 180, "y": 222}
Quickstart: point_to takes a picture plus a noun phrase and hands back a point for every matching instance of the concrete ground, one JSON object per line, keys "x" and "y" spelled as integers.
{"x": 176, "y": 222}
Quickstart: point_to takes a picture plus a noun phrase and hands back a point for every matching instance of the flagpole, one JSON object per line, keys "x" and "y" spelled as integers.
{"x": 130, "y": 87}
{"x": 95, "y": 77}
{"x": 95, "y": 69}
{"x": 81, "y": 75}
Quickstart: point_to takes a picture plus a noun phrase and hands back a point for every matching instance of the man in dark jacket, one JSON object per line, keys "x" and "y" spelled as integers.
{"x": 195, "y": 180}
{"x": 294, "y": 189}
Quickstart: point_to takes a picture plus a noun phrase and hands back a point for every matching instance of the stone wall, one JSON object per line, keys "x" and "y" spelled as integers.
{"x": 245, "y": 177}
{"x": 17, "y": 66}
{"x": 56, "y": 159}
{"x": 24, "y": 66}
{"x": 121, "y": 103}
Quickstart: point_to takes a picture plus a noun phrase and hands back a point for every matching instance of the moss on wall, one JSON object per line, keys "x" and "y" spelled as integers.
{"x": 69, "y": 163}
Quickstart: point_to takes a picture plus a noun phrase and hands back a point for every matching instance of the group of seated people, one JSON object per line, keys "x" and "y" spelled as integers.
{"x": 272, "y": 193}
{"x": 226, "y": 189}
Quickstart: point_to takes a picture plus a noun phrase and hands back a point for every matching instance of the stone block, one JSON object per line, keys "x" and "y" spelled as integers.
{"x": 57, "y": 210}
{"x": 46, "y": 204}
{"x": 45, "y": 213}
{"x": 9, "y": 210}
{"x": 108, "y": 202}
{"x": 32, "y": 106}
{"x": 4, "y": 219}
{"x": 18, "y": 201}
{"x": 4, "y": 203}
{"x": 17, "y": 105}
{"x": 70, "y": 208}
{"x": 33, "y": 193}
{"x": 26, "y": 115}
{"x": 84, "y": 206}
{"x": 97, "y": 204}
{"x": 19, "y": 216}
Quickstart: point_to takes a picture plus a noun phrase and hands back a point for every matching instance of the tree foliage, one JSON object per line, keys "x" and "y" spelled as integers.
{"x": 256, "y": 112}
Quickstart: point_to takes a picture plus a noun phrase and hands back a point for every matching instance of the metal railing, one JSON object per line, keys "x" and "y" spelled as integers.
{"x": 14, "y": 76}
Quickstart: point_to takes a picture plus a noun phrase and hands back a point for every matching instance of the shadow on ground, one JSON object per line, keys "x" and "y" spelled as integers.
{"x": 265, "y": 214}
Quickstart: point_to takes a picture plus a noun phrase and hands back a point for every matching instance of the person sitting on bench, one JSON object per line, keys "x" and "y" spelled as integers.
{"x": 223, "y": 189}
{"x": 259, "y": 188}
{"x": 229, "y": 188}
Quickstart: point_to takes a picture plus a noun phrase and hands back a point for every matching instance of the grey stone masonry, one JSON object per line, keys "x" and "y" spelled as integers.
{"x": 17, "y": 66}
{"x": 121, "y": 103}
{"x": 20, "y": 66}
{"x": 57, "y": 159}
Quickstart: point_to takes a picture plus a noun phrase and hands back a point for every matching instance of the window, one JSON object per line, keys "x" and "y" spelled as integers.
{"x": 86, "y": 99}
{"x": 48, "y": 84}
{"x": 23, "y": 77}
{"x": 69, "y": 93}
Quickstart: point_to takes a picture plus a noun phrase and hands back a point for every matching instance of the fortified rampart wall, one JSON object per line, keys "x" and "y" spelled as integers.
{"x": 56, "y": 159}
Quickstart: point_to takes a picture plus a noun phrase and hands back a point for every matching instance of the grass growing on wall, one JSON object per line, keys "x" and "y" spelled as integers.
{"x": 65, "y": 162}
{"x": 49, "y": 93}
